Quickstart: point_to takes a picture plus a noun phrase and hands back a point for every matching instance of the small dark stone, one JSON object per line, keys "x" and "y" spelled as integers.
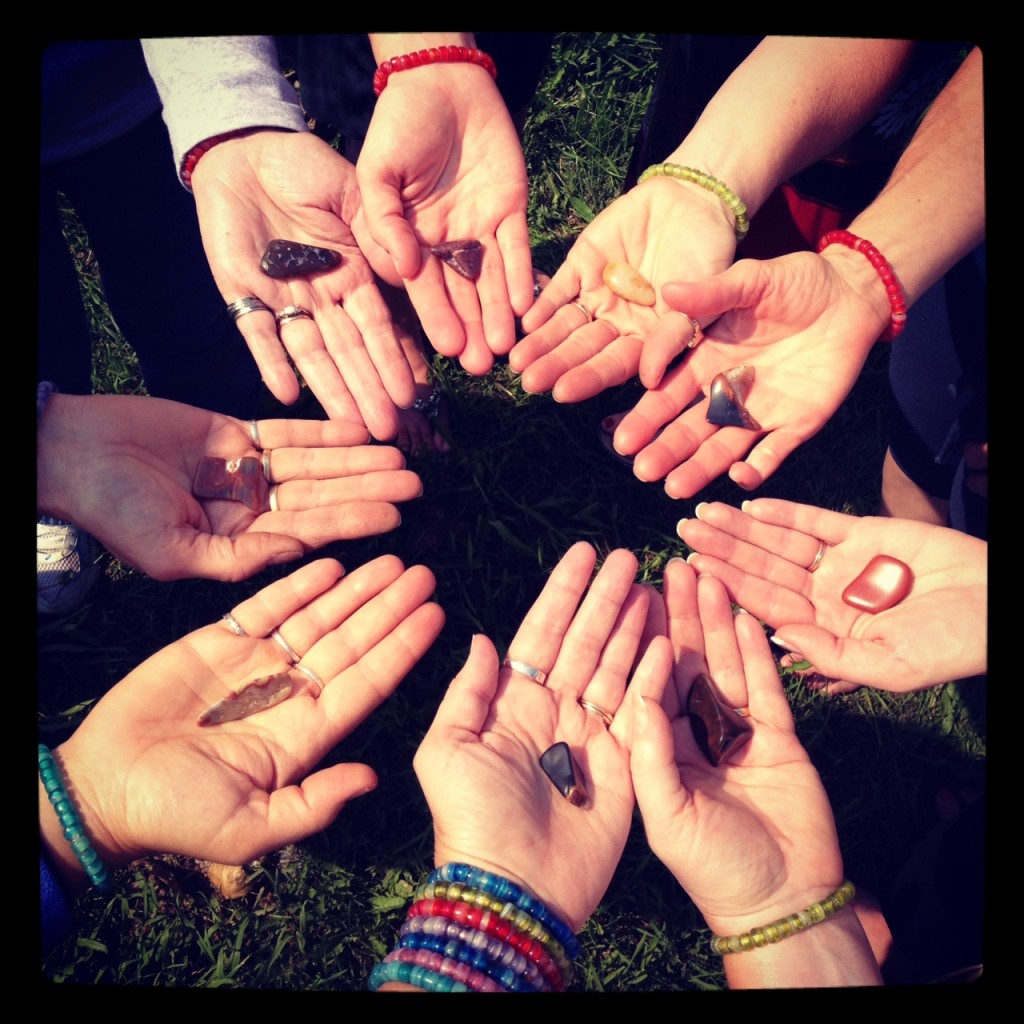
{"x": 255, "y": 696}
{"x": 465, "y": 257}
{"x": 561, "y": 768}
{"x": 234, "y": 480}
{"x": 728, "y": 393}
{"x": 717, "y": 728}
{"x": 296, "y": 259}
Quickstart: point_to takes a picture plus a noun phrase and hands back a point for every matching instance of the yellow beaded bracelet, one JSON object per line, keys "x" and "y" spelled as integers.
{"x": 726, "y": 194}
{"x": 785, "y": 926}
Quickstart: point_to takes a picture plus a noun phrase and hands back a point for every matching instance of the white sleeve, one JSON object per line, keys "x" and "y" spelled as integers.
{"x": 214, "y": 84}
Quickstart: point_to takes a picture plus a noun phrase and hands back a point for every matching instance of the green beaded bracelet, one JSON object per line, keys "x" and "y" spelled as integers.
{"x": 726, "y": 194}
{"x": 785, "y": 926}
{"x": 74, "y": 832}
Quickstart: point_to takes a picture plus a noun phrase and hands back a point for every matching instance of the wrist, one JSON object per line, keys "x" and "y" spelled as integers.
{"x": 887, "y": 307}
{"x": 191, "y": 159}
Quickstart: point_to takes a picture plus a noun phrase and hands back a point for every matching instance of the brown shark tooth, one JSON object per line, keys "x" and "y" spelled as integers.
{"x": 465, "y": 256}
{"x": 729, "y": 391}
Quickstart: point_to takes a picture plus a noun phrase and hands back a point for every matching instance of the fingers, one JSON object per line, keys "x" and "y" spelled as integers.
{"x": 559, "y": 291}
{"x": 669, "y": 338}
{"x": 467, "y": 702}
{"x": 650, "y": 679}
{"x": 679, "y": 594}
{"x": 267, "y": 609}
{"x": 831, "y": 527}
{"x": 721, "y": 648}
{"x": 260, "y": 332}
{"x": 275, "y": 434}
{"x": 513, "y": 239}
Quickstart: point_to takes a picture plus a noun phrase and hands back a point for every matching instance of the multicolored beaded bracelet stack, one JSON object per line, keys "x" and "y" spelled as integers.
{"x": 435, "y": 55}
{"x": 74, "y": 831}
{"x": 472, "y": 930}
{"x": 897, "y": 300}
{"x": 785, "y": 927}
{"x": 726, "y": 194}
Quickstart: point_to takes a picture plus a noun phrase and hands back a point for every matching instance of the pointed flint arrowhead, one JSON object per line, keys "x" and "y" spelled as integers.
{"x": 256, "y": 696}
{"x": 296, "y": 259}
{"x": 465, "y": 257}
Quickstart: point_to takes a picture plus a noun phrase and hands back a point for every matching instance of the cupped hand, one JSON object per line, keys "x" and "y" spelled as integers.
{"x": 803, "y": 324}
{"x": 492, "y": 804}
{"x": 934, "y": 635}
{"x": 122, "y": 468}
{"x": 441, "y": 163}
{"x": 292, "y": 185}
{"x": 752, "y": 839}
{"x": 665, "y": 230}
{"x": 148, "y": 779}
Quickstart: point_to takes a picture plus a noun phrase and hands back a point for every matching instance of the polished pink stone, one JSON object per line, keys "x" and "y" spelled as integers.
{"x": 234, "y": 480}
{"x": 883, "y": 583}
{"x": 465, "y": 256}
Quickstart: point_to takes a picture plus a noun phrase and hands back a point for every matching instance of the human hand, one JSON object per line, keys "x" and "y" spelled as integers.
{"x": 292, "y": 185}
{"x": 122, "y": 468}
{"x": 442, "y": 162}
{"x": 665, "y": 230}
{"x": 934, "y": 635}
{"x": 753, "y": 839}
{"x": 146, "y": 778}
{"x": 492, "y": 804}
{"x": 802, "y": 321}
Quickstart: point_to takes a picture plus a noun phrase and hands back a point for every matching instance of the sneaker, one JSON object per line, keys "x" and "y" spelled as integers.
{"x": 67, "y": 566}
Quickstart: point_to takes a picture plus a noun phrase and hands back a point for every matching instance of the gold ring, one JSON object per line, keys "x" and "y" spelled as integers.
{"x": 816, "y": 561}
{"x": 272, "y": 499}
{"x": 583, "y": 309}
{"x": 596, "y": 709}
{"x": 265, "y": 462}
{"x": 536, "y": 674}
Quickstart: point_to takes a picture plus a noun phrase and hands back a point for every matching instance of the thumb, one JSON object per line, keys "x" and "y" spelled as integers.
{"x": 705, "y": 300}
{"x": 468, "y": 700}
{"x": 659, "y": 791}
{"x": 195, "y": 555}
{"x": 863, "y": 662}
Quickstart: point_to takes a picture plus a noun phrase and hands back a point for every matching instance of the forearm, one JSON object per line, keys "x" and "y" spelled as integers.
{"x": 215, "y": 84}
{"x": 790, "y": 103}
{"x": 932, "y": 211}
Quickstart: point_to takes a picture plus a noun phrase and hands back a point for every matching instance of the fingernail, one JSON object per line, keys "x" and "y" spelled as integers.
{"x": 745, "y": 507}
{"x": 740, "y": 611}
{"x": 643, "y": 715}
{"x": 697, "y": 510}
{"x": 690, "y": 557}
{"x": 785, "y": 645}
{"x": 675, "y": 558}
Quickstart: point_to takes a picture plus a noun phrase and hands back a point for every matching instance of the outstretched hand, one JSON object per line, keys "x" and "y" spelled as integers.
{"x": 441, "y": 163}
{"x": 493, "y": 806}
{"x": 665, "y": 230}
{"x": 148, "y": 779}
{"x": 934, "y": 635}
{"x": 804, "y": 328}
{"x": 122, "y": 468}
{"x": 292, "y": 185}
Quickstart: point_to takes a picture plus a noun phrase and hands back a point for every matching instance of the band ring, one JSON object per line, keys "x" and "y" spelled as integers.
{"x": 536, "y": 674}
{"x": 596, "y": 709}
{"x": 816, "y": 561}
{"x": 583, "y": 309}
{"x": 293, "y": 655}
{"x": 290, "y": 313}
{"x": 272, "y": 499}
{"x": 698, "y": 333}
{"x": 246, "y": 304}
{"x": 743, "y": 712}
{"x": 233, "y": 624}
{"x": 265, "y": 462}
{"x": 311, "y": 676}
{"x": 254, "y": 433}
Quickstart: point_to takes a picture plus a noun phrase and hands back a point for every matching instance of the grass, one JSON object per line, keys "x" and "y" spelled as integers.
{"x": 525, "y": 479}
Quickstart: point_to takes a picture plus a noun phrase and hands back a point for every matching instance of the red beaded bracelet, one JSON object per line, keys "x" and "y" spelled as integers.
{"x": 192, "y": 157}
{"x": 897, "y": 300}
{"x": 435, "y": 55}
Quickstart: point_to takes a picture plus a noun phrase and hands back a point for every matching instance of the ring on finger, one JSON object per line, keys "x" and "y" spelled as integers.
{"x": 531, "y": 672}
{"x": 233, "y": 624}
{"x": 595, "y": 709}
{"x": 254, "y": 433}
{"x": 272, "y": 499}
{"x": 290, "y": 313}
{"x": 698, "y": 333}
{"x": 743, "y": 712}
{"x": 816, "y": 561}
{"x": 246, "y": 304}
{"x": 583, "y": 309}
{"x": 265, "y": 462}
{"x": 293, "y": 655}
{"x": 311, "y": 676}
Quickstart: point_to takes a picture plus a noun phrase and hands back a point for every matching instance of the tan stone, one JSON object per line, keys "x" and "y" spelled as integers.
{"x": 629, "y": 283}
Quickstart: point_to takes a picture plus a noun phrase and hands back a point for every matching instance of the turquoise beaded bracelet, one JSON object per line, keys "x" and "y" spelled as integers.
{"x": 726, "y": 194}
{"x": 74, "y": 832}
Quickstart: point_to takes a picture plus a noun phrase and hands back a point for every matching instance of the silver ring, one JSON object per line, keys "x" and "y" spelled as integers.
{"x": 583, "y": 309}
{"x": 290, "y": 313}
{"x": 536, "y": 674}
{"x": 266, "y": 465}
{"x": 247, "y": 304}
{"x": 293, "y": 655}
{"x": 311, "y": 676}
{"x": 596, "y": 709}
{"x": 818, "y": 557}
{"x": 254, "y": 433}
{"x": 743, "y": 712}
{"x": 272, "y": 499}
{"x": 233, "y": 624}
{"x": 698, "y": 333}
